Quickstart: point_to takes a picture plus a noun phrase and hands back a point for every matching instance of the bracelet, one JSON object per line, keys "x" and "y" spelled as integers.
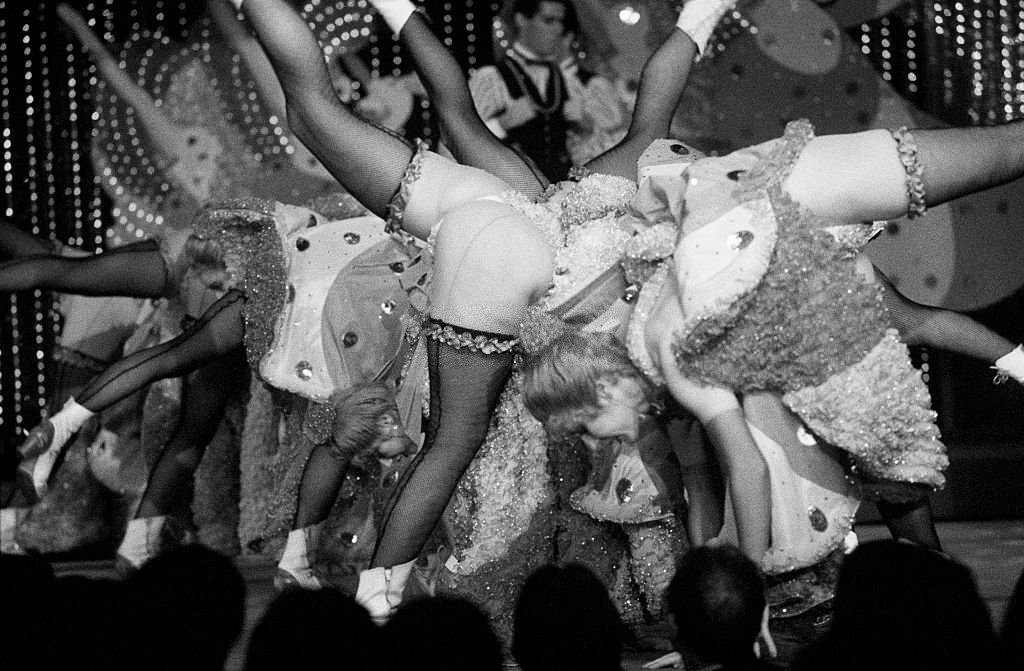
{"x": 906, "y": 147}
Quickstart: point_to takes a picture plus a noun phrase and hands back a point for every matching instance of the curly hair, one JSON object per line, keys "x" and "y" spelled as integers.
{"x": 357, "y": 411}
{"x": 560, "y": 383}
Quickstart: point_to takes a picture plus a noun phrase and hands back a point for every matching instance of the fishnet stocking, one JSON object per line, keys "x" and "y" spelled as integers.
{"x": 367, "y": 160}
{"x": 661, "y": 87}
{"x": 466, "y": 136}
{"x": 219, "y": 331}
{"x": 321, "y": 480}
{"x": 15, "y": 243}
{"x": 464, "y": 389}
{"x": 205, "y": 395}
{"x": 911, "y": 521}
{"x": 943, "y": 329}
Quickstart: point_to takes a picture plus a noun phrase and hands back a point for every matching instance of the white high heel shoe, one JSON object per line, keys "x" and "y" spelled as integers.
{"x": 380, "y": 590}
{"x": 295, "y": 570}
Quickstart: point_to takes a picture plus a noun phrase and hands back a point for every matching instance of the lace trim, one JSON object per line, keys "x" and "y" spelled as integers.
{"x": 906, "y": 147}
{"x": 635, "y": 342}
{"x": 393, "y": 224}
{"x": 461, "y": 337}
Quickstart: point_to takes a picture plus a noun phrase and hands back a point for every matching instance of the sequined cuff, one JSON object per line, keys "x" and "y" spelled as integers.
{"x": 396, "y": 208}
{"x": 460, "y": 337}
{"x": 906, "y": 147}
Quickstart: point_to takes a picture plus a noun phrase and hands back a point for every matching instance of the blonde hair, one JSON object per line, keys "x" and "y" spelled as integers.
{"x": 561, "y": 382}
{"x": 357, "y": 410}
{"x": 203, "y": 253}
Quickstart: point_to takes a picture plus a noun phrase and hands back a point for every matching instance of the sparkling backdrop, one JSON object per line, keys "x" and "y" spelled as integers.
{"x": 961, "y": 61}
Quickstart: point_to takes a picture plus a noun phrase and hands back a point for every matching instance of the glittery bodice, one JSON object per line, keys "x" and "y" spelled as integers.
{"x": 809, "y": 316}
{"x": 811, "y": 329}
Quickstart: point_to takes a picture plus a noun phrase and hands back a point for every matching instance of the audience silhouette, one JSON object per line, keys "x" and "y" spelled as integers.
{"x": 902, "y": 606}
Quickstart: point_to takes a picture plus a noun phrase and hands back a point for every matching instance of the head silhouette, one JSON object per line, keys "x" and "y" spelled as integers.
{"x": 314, "y": 631}
{"x": 565, "y": 620}
{"x": 717, "y": 600}
{"x": 441, "y": 632}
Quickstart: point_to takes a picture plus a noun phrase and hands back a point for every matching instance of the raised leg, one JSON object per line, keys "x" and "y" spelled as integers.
{"x": 15, "y": 243}
{"x": 465, "y": 134}
{"x": 367, "y": 160}
{"x": 911, "y": 521}
{"x": 465, "y": 386}
{"x": 661, "y": 87}
{"x": 943, "y": 329}
{"x": 138, "y": 270}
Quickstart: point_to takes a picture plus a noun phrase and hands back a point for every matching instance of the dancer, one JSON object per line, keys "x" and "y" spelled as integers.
{"x": 326, "y": 129}
{"x": 286, "y": 320}
{"x": 474, "y": 285}
{"x": 743, "y": 270}
{"x": 585, "y": 383}
{"x": 472, "y": 144}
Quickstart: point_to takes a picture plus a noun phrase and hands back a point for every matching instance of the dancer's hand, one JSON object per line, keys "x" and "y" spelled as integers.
{"x": 76, "y": 22}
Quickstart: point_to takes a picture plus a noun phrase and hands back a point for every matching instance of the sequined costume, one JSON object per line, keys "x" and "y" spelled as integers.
{"x": 772, "y": 301}
{"x": 156, "y": 188}
{"x": 327, "y": 303}
{"x": 510, "y": 512}
{"x": 624, "y": 489}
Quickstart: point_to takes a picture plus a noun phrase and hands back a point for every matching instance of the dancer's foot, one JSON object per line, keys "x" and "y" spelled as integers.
{"x": 394, "y": 12}
{"x": 285, "y": 580}
{"x": 699, "y": 18}
{"x": 46, "y": 442}
{"x": 1010, "y": 365}
{"x": 381, "y": 590}
{"x": 145, "y": 538}
{"x": 295, "y": 570}
{"x": 372, "y": 593}
{"x": 39, "y": 456}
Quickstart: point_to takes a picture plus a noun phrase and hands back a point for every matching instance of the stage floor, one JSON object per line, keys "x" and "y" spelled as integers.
{"x": 993, "y": 550}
